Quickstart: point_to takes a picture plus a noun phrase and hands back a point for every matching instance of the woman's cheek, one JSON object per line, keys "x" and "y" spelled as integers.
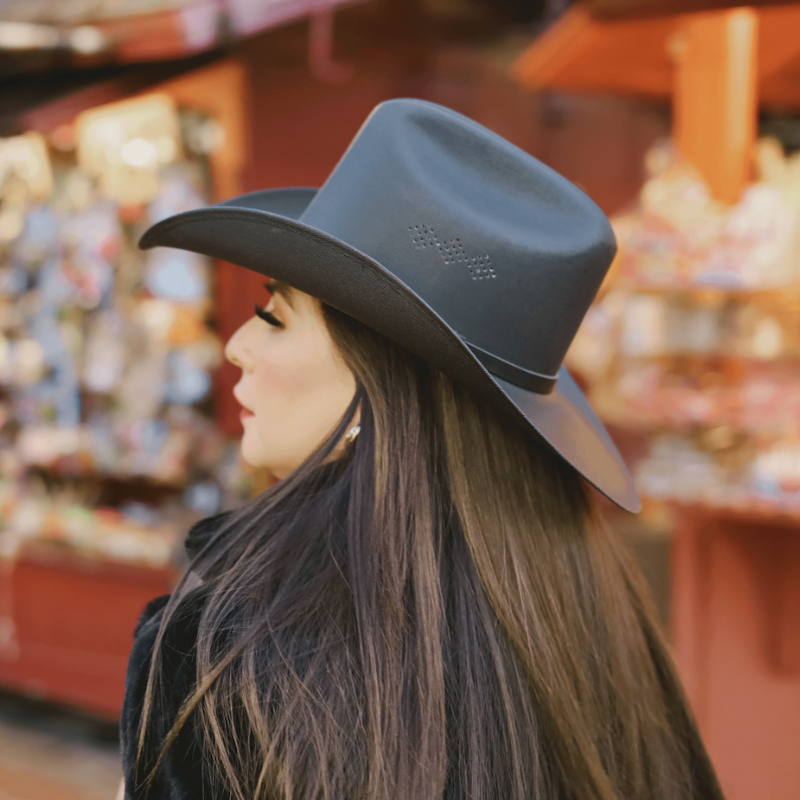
{"x": 281, "y": 383}
{"x": 280, "y": 406}
{"x": 270, "y": 403}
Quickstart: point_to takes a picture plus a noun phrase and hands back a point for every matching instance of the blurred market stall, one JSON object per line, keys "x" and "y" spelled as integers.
{"x": 110, "y": 440}
{"x": 691, "y": 352}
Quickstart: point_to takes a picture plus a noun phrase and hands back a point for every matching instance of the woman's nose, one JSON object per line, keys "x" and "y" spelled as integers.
{"x": 237, "y": 350}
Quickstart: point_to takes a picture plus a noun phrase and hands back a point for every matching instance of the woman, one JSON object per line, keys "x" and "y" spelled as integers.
{"x": 426, "y": 605}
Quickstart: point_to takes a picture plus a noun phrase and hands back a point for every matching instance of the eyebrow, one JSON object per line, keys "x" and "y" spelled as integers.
{"x": 283, "y": 289}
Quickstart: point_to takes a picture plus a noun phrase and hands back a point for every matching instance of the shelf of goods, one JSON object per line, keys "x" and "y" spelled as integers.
{"x": 111, "y": 442}
{"x": 694, "y": 342}
{"x": 691, "y": 352}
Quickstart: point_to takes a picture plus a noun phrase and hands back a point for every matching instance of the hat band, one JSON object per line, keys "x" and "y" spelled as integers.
{"x": 524, "y": 378}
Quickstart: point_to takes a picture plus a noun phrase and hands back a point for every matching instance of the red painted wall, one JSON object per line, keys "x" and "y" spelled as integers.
{"x": 74, "y": 619}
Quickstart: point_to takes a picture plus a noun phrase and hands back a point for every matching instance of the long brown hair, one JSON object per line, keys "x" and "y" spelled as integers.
{"x": 439, "y": 614}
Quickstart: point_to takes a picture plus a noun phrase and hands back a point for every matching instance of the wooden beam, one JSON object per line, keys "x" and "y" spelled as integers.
{"x": 714, "y": 99}
{"x": 580, "y": 53}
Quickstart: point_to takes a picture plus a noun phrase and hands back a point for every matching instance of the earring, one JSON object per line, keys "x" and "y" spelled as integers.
{"x": 350, "y": 436}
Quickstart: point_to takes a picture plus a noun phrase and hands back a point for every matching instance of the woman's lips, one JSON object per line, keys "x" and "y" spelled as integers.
{"x": 245, "y": 412}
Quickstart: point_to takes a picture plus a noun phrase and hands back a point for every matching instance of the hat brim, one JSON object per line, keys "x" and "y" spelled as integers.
{"x": 263, "y": 231}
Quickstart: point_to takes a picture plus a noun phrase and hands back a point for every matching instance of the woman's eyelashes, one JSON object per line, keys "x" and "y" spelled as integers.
{"x": 268, "y": 316}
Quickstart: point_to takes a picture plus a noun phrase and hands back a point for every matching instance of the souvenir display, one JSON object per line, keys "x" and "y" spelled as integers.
{"x": 106, "y": 352}
{"x": 693, "y": 344}
{"x": 679, "y": 236}
{"x": 104, "y": 532}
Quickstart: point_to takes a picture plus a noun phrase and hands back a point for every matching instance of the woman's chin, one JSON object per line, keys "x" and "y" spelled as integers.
{"x": 250, "y": 454}
{"x": 257, "y": 460}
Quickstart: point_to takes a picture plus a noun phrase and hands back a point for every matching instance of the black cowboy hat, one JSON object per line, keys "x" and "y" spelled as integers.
{"x": 456, "y": 244}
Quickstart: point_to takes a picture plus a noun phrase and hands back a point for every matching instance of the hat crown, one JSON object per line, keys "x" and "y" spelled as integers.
{"x": 508, "y": 252}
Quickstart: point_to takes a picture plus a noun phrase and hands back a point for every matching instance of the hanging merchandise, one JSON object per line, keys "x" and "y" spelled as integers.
{"x": 125, "y": 144}
{"x": 90, "y": 242}
{"x": 177, "y": 275}
{"x": 107, "y": 439}
{"x": 180, "y": 190}
{"x": 188, "y": 383}
{"x": 25, "y": 171}
{"x": 104, "y": 353}
{"x": 140, "y": 393}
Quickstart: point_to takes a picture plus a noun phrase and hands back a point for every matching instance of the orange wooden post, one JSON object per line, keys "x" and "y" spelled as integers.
{"x": 688, "y": 594}
{"x": 714, "y": 100}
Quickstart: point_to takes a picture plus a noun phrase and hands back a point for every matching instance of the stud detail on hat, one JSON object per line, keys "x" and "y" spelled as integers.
{"x": 452, "y": 252}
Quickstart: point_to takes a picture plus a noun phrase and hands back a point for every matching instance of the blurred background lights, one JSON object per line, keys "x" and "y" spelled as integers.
{"x": 157, "y": 316}
{"x": 203, "y": 497}
{"x": 139, "y": 153}
{"x": 86, "y": 39}
{"x": 24, "y": 36}
{"x": 29, "y": 361}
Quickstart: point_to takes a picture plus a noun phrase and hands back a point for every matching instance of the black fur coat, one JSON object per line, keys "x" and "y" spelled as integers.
{"x": 183, "y": 775}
